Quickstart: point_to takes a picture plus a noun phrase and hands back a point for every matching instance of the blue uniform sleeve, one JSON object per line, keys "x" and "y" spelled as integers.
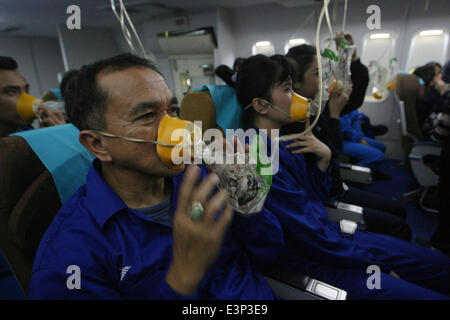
{"x": 356, "y": 124}
{"x": 160, "y": 290}
{"x": 321, "y": 181}
{"x": 349, "y": 127}
{"x": 346, "y": 128}
{"x": 260, "y": 234}
{"x": 54, "y": 283}
{"x": 305, "y": 224}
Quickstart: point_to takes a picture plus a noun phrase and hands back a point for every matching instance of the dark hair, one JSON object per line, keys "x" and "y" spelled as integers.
{"x": 226, "y": 74}
{"x": 427, "y": 74}
{"x": 446, "y": 72}
{"x": 434, "y": 64}
{"x": 304, "y": 55}
{"x": 86, "y": 101}
{"x": 237, "y": 63}
{"x": 69, "y": 75}
{"x": 8, "y": 63}
{"x": 256, "y": 77}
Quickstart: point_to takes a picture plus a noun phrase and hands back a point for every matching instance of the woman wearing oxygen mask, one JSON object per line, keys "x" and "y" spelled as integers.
{"x": 382, "y": 215}
{"x": 314, "y": 245}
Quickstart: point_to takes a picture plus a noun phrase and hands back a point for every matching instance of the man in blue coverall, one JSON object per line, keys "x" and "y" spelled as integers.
{"x": 127, "y": 233}
{"x": 366, "y": 152}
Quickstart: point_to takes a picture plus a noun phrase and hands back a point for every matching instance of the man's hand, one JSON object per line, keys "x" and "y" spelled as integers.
{"x": 310, "y": 144}
{"x": 364, "y": 142}
{"x": 337, "y": 102}
{"x": 441, "y": 86}
{"x": 196, "y": 244}
{"x": 49, "y": 118}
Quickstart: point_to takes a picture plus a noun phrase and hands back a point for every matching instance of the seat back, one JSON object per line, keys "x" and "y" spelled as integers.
{"x": 199, "y": 106}
{"x": 409, "y": 91}
{"x": 28, "y": 202}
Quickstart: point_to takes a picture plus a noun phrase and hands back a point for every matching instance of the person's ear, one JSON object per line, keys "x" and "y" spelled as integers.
{"x": 260, "y": 105}
{"x": 94, "y": 142}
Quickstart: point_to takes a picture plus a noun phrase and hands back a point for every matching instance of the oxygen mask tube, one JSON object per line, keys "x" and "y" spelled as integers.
{"x": 123, "y": 18}
{"x": 319, "y": 64}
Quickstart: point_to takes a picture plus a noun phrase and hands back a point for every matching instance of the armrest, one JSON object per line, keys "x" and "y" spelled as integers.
{"x": 338, "y": 211}
{"x": 357, "y": 174}
{"x": 291, "y": 285}
{"x": 427, "y": 143}
{"x": 354, "y": 167}
{"x": 424, "y": 148}
{"x": 425, "y": 171}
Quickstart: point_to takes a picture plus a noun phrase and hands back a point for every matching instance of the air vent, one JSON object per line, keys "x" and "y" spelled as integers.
{"x": 201, "y": 40}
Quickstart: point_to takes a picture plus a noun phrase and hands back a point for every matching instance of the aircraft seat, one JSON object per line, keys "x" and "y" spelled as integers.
{"x": 416, "y": 151}
{"x": 28, "y": 203}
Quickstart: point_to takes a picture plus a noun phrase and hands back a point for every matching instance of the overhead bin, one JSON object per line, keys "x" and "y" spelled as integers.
{"x": 202, "y": 40}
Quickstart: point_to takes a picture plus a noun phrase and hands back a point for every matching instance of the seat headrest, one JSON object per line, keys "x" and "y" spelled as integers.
{"x": 49, "y": 96}
{"x": 408, "y": 87}
{"x": 199, "y": 105}
{"x": 62, "y": 154}
{"x": 19, "y": 167}
{"x": 34, "y": 212}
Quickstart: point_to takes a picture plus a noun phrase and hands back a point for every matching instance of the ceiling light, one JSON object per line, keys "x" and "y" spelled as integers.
{"x": 297, "y": 41}
{"x": 262, "y": 44}
{"x": 380, "y": 36}
{"x": 431, "y": 33}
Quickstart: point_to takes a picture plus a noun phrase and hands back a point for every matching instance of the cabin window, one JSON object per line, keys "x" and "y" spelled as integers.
{"x": 378, "y": 48}
{"x": 263, "y": 47}
{"x": 427, "y": 45}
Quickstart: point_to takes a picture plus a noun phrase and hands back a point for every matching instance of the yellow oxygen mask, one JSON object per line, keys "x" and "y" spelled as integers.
{"x": 27, "y": 106}
{"x": 299, "y": 110}
{"x": 175, "y": 136}
{"x": 391, "y": 85}
{"x": 300, "y": 107}
{"x": 336, "y": 84}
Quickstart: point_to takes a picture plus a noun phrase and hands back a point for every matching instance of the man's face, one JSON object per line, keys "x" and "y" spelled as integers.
{"x": 137, "y": 100}
{"x": 12, "y": 84}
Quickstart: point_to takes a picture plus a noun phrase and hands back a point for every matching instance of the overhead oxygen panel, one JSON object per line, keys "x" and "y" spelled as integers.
{"x": 201, "y": 40}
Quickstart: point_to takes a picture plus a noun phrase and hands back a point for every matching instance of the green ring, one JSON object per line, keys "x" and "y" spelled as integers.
{"x": 196, "y": 211}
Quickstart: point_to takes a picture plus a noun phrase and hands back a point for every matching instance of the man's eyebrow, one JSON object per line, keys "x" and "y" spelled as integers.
{"x": 8, "y": 87}
{"x": 142, "y": 107}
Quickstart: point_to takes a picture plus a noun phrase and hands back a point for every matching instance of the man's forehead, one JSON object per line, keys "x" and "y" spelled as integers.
{"x": 132, "y": 86}
{"x": 11, "y": 78}
{"x": 132, "y": 81}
